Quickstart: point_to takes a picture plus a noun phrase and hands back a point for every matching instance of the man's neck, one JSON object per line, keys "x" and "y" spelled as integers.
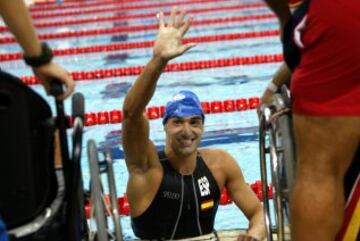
{"x": 184, "y": 165}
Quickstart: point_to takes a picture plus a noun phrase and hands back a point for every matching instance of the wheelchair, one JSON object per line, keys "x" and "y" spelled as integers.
{"x": 277, "y": 153}
{"x": 101, "y": 205}
{"x": 38, "y": 201}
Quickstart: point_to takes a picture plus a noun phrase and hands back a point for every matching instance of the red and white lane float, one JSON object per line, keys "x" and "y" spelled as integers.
{"x": 91, "y": 19}
{"x": 174, "y": 67}
{"x": 137, "y": 28}
{"x": 156, "y": 112}
{"x": 146, "y": 44}
{"x": 71, "y": 12}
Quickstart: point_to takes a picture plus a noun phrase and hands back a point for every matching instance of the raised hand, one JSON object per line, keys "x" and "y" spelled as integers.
{"x": 168, "y": 44}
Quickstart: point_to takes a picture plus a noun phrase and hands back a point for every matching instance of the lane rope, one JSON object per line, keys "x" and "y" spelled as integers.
{"x": 174, "y": 67}
{"x": 120, "y": 8}
{"x": 146, "y": 44}
{"x": 139, "y": 16}
{"x": 49, "y": 6}
{"x": 136, "y": 28}
{"x": 155, "y": 112}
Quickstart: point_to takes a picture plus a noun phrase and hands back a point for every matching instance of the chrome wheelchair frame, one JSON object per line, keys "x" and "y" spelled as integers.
{"x": 99, "y": 203}
{"x": 277, "y": 150}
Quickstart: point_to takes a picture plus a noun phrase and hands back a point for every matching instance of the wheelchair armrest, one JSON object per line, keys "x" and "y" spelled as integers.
{"x": 46, "y": 216}
{"x": 76, "y": 213}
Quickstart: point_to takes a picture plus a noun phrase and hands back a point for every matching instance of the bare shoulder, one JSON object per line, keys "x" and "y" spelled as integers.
{"x": 220, "y": 162}
{"x": 215, "y": 155}
{"x": 219, "y": 159}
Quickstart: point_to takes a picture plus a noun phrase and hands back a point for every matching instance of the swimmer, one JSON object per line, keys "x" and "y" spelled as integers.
{"x": 174, "y": 193}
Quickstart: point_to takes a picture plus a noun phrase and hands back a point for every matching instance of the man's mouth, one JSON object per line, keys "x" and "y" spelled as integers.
{"x": 186, "y": 142}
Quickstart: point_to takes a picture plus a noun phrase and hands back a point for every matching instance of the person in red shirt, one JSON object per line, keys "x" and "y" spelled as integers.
{"x": 325, "y": 89}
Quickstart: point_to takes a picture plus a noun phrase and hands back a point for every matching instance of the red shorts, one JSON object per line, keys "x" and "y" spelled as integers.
{"x": 327, "y": 80}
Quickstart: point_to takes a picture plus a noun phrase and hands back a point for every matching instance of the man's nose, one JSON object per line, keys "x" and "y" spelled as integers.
{"x": 187, "y": 129}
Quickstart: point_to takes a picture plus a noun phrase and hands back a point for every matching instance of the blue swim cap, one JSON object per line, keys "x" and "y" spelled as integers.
{"x": 184, "y": 103}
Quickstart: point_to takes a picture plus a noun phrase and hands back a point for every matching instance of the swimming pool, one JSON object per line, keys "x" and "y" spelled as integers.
{"x": 235, "y": 132}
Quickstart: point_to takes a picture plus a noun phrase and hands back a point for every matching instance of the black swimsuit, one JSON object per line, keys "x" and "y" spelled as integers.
{"x": 184, "y": 206}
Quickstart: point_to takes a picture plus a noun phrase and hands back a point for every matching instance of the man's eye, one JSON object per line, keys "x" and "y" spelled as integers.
{"x": 196, "y": 122}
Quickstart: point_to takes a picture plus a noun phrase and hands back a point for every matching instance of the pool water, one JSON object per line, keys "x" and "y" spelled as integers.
{"x": 236, "y": 132}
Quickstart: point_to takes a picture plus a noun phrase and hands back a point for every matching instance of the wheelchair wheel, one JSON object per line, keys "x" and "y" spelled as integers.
{"x": 276, "y": 148}
{"x": 98, "y": 207}
{"x": 263, "y": 150}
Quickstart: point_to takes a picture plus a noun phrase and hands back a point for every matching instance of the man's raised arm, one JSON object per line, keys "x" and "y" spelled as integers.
{"x": 168, "y": 45}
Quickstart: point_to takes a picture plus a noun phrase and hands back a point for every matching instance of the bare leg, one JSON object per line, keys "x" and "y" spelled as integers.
{"x": 325, "y": 147}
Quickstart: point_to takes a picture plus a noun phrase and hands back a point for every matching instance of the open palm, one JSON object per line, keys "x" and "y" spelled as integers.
{"x": 168, "y": 44}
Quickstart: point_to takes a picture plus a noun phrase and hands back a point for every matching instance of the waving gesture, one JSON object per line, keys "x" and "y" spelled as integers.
{"x": 169, "y": 42}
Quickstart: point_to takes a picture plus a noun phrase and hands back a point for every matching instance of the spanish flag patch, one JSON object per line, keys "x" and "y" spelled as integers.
{"x": 207, "y": 204}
